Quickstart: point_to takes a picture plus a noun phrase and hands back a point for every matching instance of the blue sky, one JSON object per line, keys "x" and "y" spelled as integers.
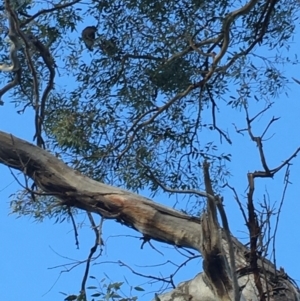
{"x": 30, "y": 250}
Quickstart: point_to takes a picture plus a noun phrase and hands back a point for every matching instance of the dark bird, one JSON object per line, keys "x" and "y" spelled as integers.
{"x": 88, "y": 36}
{"x": 109, "y": 46}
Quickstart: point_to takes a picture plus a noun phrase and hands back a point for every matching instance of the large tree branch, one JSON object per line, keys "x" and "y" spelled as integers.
{"x": 74, "y": 189}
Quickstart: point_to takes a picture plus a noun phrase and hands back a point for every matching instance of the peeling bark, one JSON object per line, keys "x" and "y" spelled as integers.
{"x": 157, "y": 222}
{"x": 74, "y": 189}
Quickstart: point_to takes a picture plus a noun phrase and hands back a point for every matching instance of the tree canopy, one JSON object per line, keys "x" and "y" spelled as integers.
{"x": 146, "y": 108}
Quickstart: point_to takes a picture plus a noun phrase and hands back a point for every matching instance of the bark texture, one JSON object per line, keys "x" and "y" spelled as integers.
{"x": 160, "y": 223}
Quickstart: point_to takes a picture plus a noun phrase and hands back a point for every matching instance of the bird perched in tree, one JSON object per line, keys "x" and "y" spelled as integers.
{"x": 89, "y": 35}
{"x": 109, "y": 46}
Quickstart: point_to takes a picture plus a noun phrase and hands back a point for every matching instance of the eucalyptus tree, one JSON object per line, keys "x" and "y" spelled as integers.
{"x": 136, "y": 94}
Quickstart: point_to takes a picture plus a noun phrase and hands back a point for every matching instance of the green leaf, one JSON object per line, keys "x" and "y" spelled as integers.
{"x": 71, "y": 297}
{"x": 140, "y": 289}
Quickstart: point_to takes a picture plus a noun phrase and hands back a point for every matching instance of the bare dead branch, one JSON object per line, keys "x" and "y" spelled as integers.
{"x": 267, "y": 173}
{"x": 286, "y": 183}
{"x": 286, "y": 162}
{"x": 74, "y": 227}
{"x": 169, "y": 282}
{"x": 254, "y": 232}
{"x": 258, "y": 139}
{"x": 261, "y": 112}
{"x": 269, "y": 124}
{"x": 93, "y": 250}
{"x": 238, "y": 201}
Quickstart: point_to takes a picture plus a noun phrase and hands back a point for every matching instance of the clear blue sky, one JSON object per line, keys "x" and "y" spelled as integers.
{"x": 28, "y": 249}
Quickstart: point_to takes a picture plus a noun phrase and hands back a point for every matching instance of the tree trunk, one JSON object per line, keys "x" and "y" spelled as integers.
{"x": 160, "y": 223}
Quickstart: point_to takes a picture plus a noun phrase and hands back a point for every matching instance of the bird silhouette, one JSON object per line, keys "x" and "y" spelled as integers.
{"x": 88, "y": 36}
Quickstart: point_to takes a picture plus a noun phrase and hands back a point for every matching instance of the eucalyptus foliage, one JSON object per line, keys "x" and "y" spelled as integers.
{"x": 137, "y": 115}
